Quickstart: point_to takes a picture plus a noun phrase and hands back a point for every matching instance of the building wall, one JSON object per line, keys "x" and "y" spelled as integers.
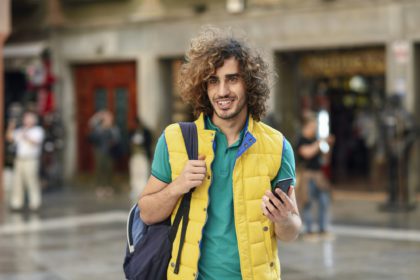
{"x": 272, "y": 26}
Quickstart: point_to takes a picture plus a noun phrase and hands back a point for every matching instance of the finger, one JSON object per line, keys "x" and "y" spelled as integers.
{"x": 196, "y": 183}
{"x": 287, "y": 203}
{"x": 291, "y": 191}
{"x": 197, "y": 163}
{"x": 292, "y": 196}
{"x": 268, "y": 204}
{"x": 271, "y": 217}
{"x": 193, "y": 183}
{"x": 198, "y": 170}
{"x": 196, "y": 177}
{"x": 264, "y": 209}
{"x": 201, "y": 169}
{"x": 277, "y": 203}
{"x": 282, "y": 210}
{"x": 201, "y": 157}
{"x": 266, "y": 212}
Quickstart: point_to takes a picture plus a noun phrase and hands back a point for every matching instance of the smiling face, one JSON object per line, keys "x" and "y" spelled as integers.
{"x": 227, "y": 93}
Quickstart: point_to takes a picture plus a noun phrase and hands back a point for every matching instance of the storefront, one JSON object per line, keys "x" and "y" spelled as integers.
{"x": 325, "y": 54}
{"x": 29, "y": 85}
{"x": 350, "y": 85}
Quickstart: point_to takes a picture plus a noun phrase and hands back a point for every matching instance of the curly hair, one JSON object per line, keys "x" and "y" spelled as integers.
{"x": 207, "y": 53}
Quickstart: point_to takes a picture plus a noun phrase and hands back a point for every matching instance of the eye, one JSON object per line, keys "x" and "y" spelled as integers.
{"x": 212, "y": 81}
{"x": 233, "y": 79}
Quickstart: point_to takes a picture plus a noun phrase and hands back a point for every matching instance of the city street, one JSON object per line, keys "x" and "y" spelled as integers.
{"x": 79, "y": 236}
{"x": 90, "y": 95}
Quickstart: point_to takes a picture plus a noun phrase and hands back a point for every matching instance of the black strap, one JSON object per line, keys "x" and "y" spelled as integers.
{"x": 189, "y": 132}
{"x": 179, "y": 215}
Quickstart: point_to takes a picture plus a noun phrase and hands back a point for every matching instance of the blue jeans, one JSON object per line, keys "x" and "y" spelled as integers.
{"x": 323, "y": 199}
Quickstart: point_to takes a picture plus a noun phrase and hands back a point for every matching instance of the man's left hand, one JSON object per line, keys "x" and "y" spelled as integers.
{"x": 277, "y": 211}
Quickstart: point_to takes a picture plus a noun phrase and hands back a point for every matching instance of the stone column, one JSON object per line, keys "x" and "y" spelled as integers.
{"x": 401, "y": 80}
{"x": 4, "y": 33}
{"x": 150, "y": 92}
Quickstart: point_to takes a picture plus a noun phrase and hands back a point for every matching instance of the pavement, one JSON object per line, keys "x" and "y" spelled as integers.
{"x": 80, "y": 235}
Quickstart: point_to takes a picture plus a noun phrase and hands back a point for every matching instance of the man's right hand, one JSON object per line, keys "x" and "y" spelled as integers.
{"x": 192, "y": 176}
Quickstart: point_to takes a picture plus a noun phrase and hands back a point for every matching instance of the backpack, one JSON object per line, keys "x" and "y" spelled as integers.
{"x": 149, "y": 247}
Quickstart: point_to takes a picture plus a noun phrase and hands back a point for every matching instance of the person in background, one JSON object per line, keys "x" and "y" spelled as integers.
{"x": 399, "y": 133}
{"x": 104, "y": 136}
{"x": 28, "y": 140}
{"x": 141, "y": 154}
{"x": 235, "y": 219}
{"x": 313, "y": 186}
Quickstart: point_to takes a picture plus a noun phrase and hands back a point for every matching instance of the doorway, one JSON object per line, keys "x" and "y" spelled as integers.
{"x": 104, "y": 86}
{"x": 350, "y": 85}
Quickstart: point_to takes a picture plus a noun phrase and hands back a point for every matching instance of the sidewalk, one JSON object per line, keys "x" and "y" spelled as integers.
{"x": 362, "y": 209}
{"x": 66, "y": 201}
{"x": 347, "y": 208}
{"x": 75, "y": 236}
{"x": 78, "y": 235}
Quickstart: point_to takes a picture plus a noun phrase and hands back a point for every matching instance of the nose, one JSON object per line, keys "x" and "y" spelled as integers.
{"x": 223, "y": 89}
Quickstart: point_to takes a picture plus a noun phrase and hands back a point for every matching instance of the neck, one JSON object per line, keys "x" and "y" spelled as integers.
{"x": 231, "y": 128}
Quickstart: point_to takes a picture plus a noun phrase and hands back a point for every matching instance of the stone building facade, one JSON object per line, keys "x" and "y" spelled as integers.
{"x": 152, "y": 36}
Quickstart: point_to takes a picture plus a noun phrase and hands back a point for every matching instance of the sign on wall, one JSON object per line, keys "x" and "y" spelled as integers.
{"x": 343, "y": 63}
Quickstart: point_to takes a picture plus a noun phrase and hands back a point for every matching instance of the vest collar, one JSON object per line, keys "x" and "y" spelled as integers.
{"x": 200, "y": 122}
{"x": 248, "y": 139}
{"x": 249, "y": 125}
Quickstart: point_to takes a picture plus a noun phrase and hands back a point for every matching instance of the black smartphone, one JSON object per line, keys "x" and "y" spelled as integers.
{"x": 284, "y": 185}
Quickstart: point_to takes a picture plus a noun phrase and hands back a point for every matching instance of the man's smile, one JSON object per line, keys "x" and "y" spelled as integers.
{"x": 224, "y": 103}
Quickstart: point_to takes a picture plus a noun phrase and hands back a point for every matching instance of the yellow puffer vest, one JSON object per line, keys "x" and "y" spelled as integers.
{"x": 258, "y": 163}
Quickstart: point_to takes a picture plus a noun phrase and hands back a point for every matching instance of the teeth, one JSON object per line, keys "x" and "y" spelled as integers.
{"x": 224, "y": 102}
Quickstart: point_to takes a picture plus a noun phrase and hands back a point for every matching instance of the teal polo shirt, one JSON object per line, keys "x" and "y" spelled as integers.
{"x": 219, "y": 256}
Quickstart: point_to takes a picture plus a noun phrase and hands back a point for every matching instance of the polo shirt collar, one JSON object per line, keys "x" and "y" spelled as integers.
{"x": 247, "y": 139}
{"x": 211, "y": 126}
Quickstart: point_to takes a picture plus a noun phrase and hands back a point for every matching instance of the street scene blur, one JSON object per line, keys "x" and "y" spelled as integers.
{"x": 88, "y": 86}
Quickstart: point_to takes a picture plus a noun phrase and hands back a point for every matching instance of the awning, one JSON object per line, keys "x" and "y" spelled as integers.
{"x": 24, "y": 50}
{"x": 18, "y": 56}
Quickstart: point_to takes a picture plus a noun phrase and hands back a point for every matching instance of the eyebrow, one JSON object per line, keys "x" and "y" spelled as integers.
{"x": 232, "y": 75}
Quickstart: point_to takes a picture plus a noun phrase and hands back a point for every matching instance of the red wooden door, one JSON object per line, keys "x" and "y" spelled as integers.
{"x": 110, "y": 86}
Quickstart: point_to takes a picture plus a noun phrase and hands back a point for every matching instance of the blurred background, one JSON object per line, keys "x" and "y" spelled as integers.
{"x": 66, "y": 60}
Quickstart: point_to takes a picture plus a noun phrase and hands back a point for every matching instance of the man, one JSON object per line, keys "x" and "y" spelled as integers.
{"x": 141, "y": 154}
{"x": 104, "y": 136}
{"x": 28, "y": 140}
{"x": 314, "y": 186}
{"x": 399, "y": 135}
{"x": 234, "y": 218}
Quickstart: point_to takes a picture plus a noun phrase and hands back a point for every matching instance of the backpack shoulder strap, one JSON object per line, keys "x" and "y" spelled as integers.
{"x": 189, "y": 132}
{"x": 135, "y": 228}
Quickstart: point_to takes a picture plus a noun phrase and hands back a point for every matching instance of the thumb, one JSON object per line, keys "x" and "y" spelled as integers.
{"x": 201, "y": 157}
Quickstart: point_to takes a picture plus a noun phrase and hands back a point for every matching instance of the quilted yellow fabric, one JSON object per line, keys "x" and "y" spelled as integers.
{"x": 258, "y": 163}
